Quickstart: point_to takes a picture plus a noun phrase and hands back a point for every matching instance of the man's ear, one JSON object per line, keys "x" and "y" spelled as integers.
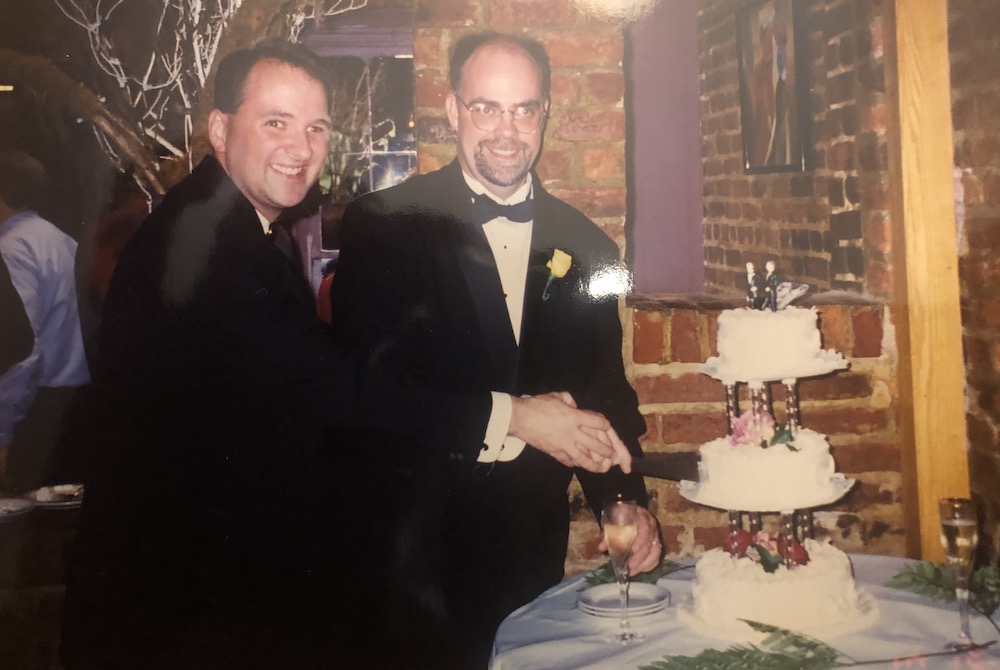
{"x": 451, "y": 106}
{"x": 218, "y": 126}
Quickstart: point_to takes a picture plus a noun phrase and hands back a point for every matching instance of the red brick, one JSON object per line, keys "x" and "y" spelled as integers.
{"x": 565, "y": 91}
{"x": 553, "y": 166}
{"x": 867, "y": 322}
{"x": 578, "y": 125}
{"x": 671, "y": 538}
{"x": 575, "y": 49}
{"x": 515, "y": 13}
{"x": 602, "y": 164}
{"x": 652, "y": 433}
{"x": 693, "y": 387}
{"x": 685, "y": 345}
{"x": 710, "y": 538}
{"x": 972, "y": 189}
{"x": 878, "y": 232}
{"x": 834, "y": 320}
{"x": 857, "y": 458}
{"x": 444, "y": 13}
{"x": 878, "y": 279}
{"x": 430, "y": 90}
{"x": 594, "y": 202}
{"x": 846, "y": 421}
{"x": 692, "y": 428}
{"x": 983, "y": 232}
{"x": 839, "y": 386}
{"x": 875, "y": 195}
{"x": 427, "y": 52}
{"x": 606, "y": 87}
{"x": 647, "y": 337}
{"x": 874, "y": 118}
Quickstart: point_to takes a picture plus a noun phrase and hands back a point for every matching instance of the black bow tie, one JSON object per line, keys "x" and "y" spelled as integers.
{"x": 485, "y": 208}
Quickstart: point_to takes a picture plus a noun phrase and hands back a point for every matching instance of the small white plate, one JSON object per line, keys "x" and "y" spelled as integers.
{"x": 643, "y": 599}
{"x": 13, "y": 507}
{"x": 58, "y": 496}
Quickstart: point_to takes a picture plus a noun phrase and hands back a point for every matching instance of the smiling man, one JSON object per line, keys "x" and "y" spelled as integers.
{"x": 207, "y": 531}
{"x": 476, "y": 286}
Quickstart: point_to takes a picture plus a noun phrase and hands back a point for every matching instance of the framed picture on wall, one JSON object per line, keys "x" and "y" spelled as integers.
{"x": 774, "y": 94}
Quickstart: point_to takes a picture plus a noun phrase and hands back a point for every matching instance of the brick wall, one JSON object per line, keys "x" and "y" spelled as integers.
{"x": 828, "y": 226}
{"x": 975, "y": 71}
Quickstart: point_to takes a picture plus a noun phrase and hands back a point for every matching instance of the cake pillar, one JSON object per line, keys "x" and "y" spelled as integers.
{"x": 732, "y": 405}
{"x": 760, "y": 403}
{"x": 788, "y": 534}
{"x": 804, "y": 524}
{"x": 792, "y": 418}
{"x": 755, "y": 523}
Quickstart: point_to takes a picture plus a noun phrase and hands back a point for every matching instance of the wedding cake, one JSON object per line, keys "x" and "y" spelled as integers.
{"x": 760, "y": 345}
{"x": 818, "y": 598}
{"x": 784, "y": 579}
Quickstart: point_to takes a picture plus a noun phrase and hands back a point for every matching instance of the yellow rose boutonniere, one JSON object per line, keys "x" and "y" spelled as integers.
{"x": 558, "y": 267}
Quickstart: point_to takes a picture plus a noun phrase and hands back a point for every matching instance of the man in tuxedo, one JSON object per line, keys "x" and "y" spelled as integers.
{"x": 478, "y": 296}
{"x": 208, "y": 529}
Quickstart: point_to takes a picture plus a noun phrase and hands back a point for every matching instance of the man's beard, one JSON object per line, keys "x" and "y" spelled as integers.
{"x": 505, "y": 175}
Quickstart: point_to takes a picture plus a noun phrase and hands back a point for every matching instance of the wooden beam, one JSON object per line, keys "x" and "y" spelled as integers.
{"x": 926, "y": 306}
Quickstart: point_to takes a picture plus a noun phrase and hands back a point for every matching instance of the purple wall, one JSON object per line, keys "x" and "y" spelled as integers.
{"x": 665, "y": 161}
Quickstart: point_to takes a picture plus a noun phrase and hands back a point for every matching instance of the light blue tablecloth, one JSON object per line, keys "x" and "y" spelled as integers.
{"x": 550, "y": 633}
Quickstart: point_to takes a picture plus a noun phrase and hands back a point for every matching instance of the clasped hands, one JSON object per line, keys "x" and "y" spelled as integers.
{"x": 579, "y": 438}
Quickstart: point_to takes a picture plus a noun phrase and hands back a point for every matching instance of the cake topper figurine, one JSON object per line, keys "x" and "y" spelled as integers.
{"x": 766, "y": 290}
{"x": 771, "y": 286}
{"x": 755, "y": 297}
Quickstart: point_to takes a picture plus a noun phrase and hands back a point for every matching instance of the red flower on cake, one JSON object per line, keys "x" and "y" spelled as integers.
{"x": 797, "y": 554}
{"x": 737, "y": 542}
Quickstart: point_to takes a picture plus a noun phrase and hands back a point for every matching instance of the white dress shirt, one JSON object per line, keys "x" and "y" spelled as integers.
{"x": 510, "y": 242}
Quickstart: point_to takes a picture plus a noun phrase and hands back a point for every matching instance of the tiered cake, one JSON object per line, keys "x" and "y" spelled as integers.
{"x": 785, "y": 579}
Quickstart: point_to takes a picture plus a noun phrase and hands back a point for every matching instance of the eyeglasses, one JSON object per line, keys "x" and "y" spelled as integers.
{"x": 486, "y": 116}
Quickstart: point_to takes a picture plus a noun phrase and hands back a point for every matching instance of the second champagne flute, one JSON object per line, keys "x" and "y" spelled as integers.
{"x": 619, "y": 522}
{"x": 959, "y": 537}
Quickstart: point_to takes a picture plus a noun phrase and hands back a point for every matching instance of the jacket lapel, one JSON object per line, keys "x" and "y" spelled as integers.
{"x": 537, "y": 310}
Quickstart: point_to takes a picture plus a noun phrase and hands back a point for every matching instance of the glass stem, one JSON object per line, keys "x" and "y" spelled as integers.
{"x": 962, "y": 593}
{"x": 623, "y": 624}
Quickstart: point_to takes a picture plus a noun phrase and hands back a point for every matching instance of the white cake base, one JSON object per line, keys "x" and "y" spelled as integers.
{"x": 752, "y": 479}
{"x": 818, "y": 599}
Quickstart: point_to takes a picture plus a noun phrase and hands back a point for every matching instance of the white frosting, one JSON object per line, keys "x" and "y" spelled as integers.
{"x": 761, "y": 345}
{"x": 817, "y": 598}
{"x": 746, "y": 477}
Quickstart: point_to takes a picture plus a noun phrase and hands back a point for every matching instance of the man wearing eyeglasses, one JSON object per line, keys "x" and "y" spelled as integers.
{"x": 479, "y": 288}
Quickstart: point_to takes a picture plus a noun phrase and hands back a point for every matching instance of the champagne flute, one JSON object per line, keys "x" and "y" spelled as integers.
{"x": 619, "y": 521}
{"x": 959, "y": 537}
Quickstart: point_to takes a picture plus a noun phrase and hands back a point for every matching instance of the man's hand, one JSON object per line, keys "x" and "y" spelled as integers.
{"x": 647, "y": 550}
{"x": 576, "y": 438}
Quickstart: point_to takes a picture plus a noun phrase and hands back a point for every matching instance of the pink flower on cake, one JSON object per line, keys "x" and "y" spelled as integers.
{"x": 752, "y": 430}
{"x": 767, "y": 541}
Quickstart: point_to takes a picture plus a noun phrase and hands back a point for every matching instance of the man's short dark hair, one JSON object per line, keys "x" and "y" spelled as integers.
{"x": 470, "y": 44}
{"x": 231, "y": 77}
{"x": 22, "y": 180}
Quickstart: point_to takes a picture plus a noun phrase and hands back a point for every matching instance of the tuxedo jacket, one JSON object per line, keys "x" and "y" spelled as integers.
{"x": 416, "y": 285}
{"x": 206, "y": 537}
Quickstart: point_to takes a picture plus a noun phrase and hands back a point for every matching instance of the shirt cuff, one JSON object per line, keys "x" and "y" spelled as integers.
{"x": 497, "y": 445}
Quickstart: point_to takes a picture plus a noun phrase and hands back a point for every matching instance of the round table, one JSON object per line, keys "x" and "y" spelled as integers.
{"x": 550, "y": 633}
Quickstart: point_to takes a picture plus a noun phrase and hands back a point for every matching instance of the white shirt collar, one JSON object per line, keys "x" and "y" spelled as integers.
{"x": 264, "y": 223}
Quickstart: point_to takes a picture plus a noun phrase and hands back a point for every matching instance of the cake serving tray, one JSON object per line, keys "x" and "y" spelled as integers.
{"x": 692, "y": 491}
